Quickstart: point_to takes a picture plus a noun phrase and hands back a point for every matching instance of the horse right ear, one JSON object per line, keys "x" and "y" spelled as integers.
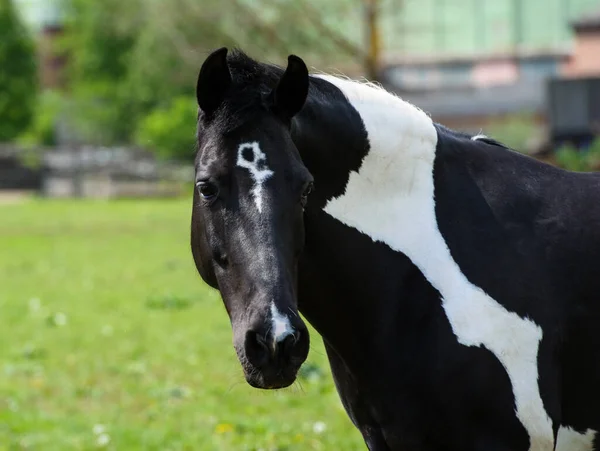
{"x": 290, "y": 94}
{"x": 213, "y": 81}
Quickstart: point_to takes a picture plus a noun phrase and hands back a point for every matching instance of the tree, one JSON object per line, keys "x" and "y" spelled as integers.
{"x": 171, "y": 131}
{"x": 131, "y": 58}
{"x": 18, "y": 74}
{"x": 267, "y": 29}
{"x": 98, "y": 40}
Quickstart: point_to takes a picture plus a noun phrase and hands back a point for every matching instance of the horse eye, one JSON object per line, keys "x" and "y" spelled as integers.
{"x": 306, "y": 193}
{"x": 207, "y": 190}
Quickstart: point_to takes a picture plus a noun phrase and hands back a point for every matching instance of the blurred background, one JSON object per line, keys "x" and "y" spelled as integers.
{"x": 108, "y": 337}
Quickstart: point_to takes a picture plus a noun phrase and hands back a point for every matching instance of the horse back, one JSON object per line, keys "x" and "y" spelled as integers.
{"x": 529, "y": 234}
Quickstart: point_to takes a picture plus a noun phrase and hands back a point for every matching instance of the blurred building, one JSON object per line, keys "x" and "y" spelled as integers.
{"x": 45, "y": 18}
{"x": 585, "y": 58}
{"x": 470, "y": 62}
{"x": 573, "y": 103}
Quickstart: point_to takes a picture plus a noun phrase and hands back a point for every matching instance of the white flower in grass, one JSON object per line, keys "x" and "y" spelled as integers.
{"x": 319, "y": 427}
{"x": 35, "y": 304}
{"x": 103, "y": 440}
{"x": 107, "y": 330}
{"x": 13, "y": 406}
{"x": 60, "y": 319}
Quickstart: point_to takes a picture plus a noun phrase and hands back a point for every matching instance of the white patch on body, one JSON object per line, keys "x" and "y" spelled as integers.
{"x": 397, "y": 176}
{"x": 476, "y": 137}
{"x": 571, "y": 440}
{"x": 259, "y": 176}
{"x": 280, "y": 325}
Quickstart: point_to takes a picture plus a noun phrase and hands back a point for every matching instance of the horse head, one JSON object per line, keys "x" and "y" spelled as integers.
{"x": 247, "y": 219}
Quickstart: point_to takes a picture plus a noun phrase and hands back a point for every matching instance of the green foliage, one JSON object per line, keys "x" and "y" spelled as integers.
{"x": 516, "y": 131}
{"x": 103, "y": 112}
{"x": 567, "y": 157}
{"x": 111, "y": 343}
{"x": 18, "y": 77}
{"x": 170, "y": 131}
{"x": 128, "y": 58}
{"x": 100, "y": 37}
{"x": 99, "y": 40}
{"x": 42, "y": 131}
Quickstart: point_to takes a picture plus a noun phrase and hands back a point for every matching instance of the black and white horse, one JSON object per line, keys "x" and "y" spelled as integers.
{"x": 455, "y": 282}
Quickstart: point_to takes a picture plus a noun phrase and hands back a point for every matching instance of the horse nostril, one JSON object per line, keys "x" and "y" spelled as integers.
{"x": 294, "y": 346}
{"x": 286, "y": 346}
{"x": 257, "y": 349}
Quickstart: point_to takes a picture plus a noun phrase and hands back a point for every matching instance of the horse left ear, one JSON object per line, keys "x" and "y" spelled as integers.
{"x": 292, "y": 90}
{"x": 213, "y": 81}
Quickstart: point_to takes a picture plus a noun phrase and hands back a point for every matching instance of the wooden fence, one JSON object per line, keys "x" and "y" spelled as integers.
{"x": 98, "y": 172}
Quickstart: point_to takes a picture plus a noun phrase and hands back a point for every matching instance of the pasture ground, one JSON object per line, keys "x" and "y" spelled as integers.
{"x": 109, "y": 339}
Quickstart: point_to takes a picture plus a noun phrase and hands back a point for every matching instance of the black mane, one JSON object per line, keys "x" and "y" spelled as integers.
{"x": 463, "y": 135}
{"x": 252, "y": 81}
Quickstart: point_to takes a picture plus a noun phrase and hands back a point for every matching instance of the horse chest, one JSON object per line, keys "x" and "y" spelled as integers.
{"x": 406, "y": 222}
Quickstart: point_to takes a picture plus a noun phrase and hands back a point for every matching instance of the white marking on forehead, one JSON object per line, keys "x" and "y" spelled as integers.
{"x": 398, "y": 173}
{"x": 280, "y": 325}
{"x": 254, "y": 165}
{"x": 571, "y": 440}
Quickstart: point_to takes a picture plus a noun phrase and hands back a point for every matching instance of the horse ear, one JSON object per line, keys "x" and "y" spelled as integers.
{"x": 213, "y": 81}
{"x": 290, "y": 94}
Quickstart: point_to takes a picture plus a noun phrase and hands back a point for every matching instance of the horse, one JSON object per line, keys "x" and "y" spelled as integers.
{"x": 451, "y": 278}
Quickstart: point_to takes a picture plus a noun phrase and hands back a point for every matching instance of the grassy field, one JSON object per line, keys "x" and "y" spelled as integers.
{"x": 109, "y": 339}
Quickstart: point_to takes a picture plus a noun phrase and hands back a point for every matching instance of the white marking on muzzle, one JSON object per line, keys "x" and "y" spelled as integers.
{"x": 280, "y": 325}
{"x": 258, "y": 175}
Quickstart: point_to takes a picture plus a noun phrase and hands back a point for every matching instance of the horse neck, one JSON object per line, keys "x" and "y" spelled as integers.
{"x": 362, "y": 146}
{"x": 357, "y": 120}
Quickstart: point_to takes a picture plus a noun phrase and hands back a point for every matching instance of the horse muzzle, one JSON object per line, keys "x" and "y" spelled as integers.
{"x": 270, "y": 359}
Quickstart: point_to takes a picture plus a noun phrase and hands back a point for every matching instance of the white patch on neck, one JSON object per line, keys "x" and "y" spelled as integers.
{"x": 280, "y": 325}
{"x": 398, "y": 174}
{"x": 476, "y": 137}
{"x": 258, "y": 175}
{"x": 571, "y": 440}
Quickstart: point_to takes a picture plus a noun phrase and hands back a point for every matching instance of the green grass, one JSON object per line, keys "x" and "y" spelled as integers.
{"x": 109, "y": 339}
